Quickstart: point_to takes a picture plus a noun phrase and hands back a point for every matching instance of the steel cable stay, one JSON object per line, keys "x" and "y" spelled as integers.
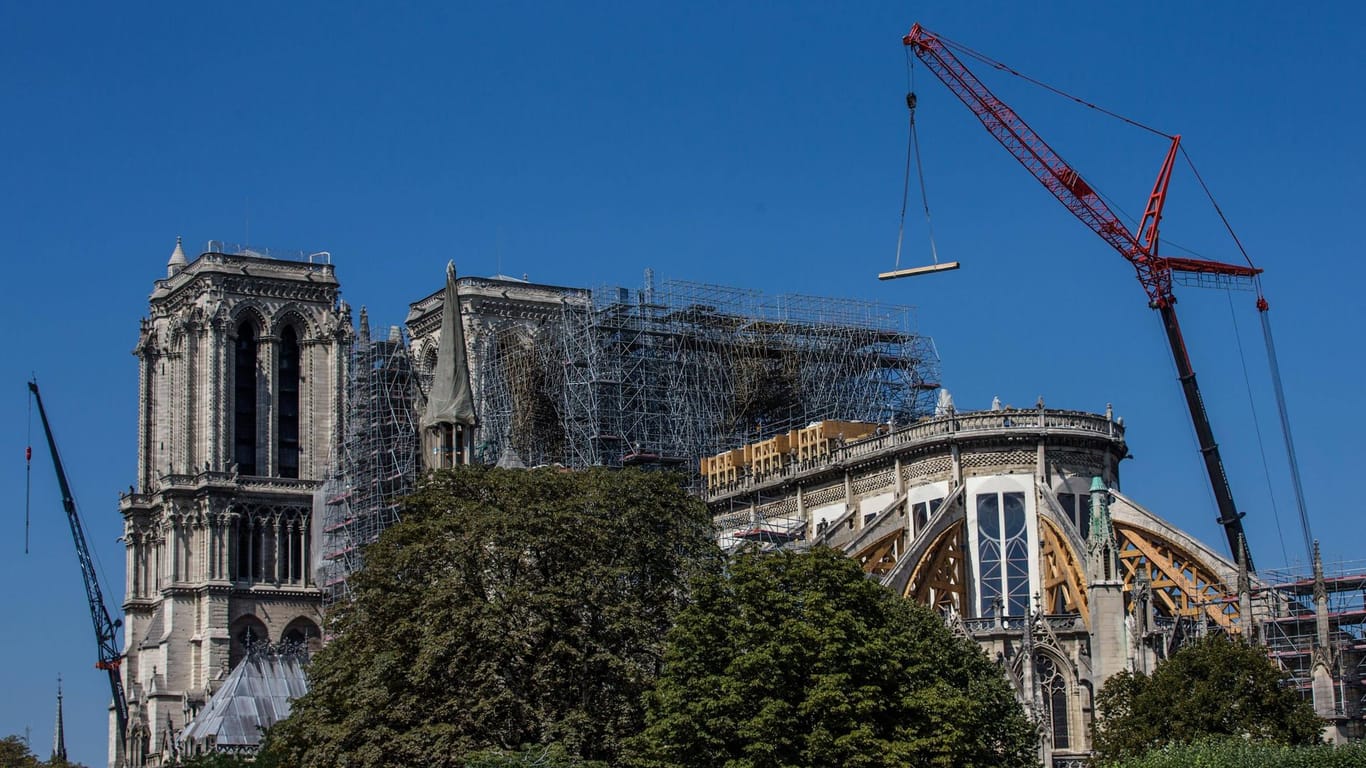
{"x": 1257, "y": 428}
{"x": 28, "y": 472}
{"x": 913, "y": 150}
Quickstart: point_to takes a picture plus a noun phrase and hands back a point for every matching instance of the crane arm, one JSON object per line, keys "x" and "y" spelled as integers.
{"x": 106, "y": 627}
{"x": 1026, "y": 146}
{"x": 1154, "y": 272}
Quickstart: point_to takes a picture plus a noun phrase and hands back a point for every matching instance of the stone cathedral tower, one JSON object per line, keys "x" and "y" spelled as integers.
{"x": 241, "y": 370}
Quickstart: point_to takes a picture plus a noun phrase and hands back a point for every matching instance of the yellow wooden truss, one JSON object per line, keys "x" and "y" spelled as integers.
{"x": 940, "y": 579}
{"x": 1064, "y": 575}
{"x": 1180, "y": 584}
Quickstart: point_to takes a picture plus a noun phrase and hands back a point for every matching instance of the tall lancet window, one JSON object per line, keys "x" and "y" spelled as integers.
{"x": 1054, "y": 687}
{"x": 1003, "y": 544}
{"x": 287, "y": 387}
{"x": 244, "y": 400}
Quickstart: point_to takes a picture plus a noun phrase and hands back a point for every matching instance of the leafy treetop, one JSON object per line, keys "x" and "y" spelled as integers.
{"x": 509, "y": 608}
{"x": 801, "y": 660}
{"x": 1218, "y": 686}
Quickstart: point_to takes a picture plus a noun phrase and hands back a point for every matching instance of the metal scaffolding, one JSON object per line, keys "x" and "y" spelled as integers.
{"x": 614, "y": 376}
{"x": 688, "y": 369}
{"x": 379, "y": 455}
{"x": 1290, "y": 631}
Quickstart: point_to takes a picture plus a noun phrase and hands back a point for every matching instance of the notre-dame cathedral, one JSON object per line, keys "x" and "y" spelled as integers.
{"x": 1009, "y": 521}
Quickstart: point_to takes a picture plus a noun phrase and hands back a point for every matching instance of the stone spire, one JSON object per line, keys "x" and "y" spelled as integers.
{"x": 1110, "y": 632}
{"x": 59, "y": 733}
{"x": 177, "y": 261}
{"x": 449, "y": 421}
{"x": 1102, "y": 549}
{"x": 1245, "y": 592}
{"x": 1323, "y": 660}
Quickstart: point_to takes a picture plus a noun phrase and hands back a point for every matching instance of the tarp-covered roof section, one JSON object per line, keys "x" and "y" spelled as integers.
{"x": 255, "y": 696}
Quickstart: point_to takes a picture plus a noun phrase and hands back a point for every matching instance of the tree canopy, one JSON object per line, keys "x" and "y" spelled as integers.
{"x": 801, "y": 660}
{"x": 509, "y": 608}
{"x": 15, "y": 753}
{"x": 1218, "y": 686}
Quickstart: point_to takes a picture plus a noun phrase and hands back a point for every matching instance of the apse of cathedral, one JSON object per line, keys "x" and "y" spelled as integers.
{"x": 1010, "y": 523}
{"x": 275, "y": 439}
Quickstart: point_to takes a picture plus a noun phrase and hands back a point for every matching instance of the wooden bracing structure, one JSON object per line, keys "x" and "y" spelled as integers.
{"x": 1180, "y": 584}
{"x": 940, "y": 580}
{"x": 1064, "y": 577}
{"x": 880, "y": 557}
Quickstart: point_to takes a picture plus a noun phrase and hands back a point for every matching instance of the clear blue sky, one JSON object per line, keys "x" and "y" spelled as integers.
{"x": 753, "y": 144}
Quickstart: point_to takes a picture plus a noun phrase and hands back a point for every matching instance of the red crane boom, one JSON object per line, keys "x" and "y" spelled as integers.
{"x": 1139, "y": 249}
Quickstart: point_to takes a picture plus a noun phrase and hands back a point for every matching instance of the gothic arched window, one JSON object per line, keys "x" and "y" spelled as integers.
{"x": 1003, "y": 544}
{"x": 1054, "y": 688}
{"x": 287, "y": 401}
{"x": 244, "y": 400}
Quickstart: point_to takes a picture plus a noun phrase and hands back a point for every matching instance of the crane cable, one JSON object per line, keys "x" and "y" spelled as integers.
{"x": 28, "y": 472}
{"x": 994, "y": 64}
{"x": 1257, "y": 428}
{"x": 1274, "y": 364}
{"x": 1285, "y": 430}
{"x": 913, "y": 149}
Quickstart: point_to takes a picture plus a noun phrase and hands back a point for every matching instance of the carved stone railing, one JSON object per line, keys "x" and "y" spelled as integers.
{"x": 1063, "y": 622}
{"x": 278, "y": 484}
{"x": 941, "y": 429}
{"x": 229, "y": 479}
{"x": 975, "y": 626}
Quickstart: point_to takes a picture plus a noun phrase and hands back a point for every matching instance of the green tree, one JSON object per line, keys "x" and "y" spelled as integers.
{"x": 14, "y": 753}
{"x": 509, "y": 608}
{"x": 1218, "y": 686}
{"x": 801, "y": 660}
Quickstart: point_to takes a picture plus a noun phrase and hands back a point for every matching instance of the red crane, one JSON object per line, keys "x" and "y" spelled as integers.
{"x": 1138, "y": 248}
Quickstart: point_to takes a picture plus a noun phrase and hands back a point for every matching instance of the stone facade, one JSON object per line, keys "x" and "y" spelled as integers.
{"x": 241, "y": 369}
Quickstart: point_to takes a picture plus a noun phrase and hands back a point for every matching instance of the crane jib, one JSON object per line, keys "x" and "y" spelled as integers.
{"x": 1139, "y": 247}
{"x": 106, "y": 627}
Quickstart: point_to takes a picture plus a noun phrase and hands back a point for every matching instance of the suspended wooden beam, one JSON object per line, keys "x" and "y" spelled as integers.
{"x": 913, "y": 271}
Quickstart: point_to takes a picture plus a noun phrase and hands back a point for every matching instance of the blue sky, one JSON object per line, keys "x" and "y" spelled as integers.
{"x": 751, "y": 144}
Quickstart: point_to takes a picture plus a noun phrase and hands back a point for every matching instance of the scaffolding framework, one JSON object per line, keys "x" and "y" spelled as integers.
{"x": 1289, "y": 631}
{"x": 614, "y": 376}
{"x": 379, "y": 455}
{"x": 689, "y": 369}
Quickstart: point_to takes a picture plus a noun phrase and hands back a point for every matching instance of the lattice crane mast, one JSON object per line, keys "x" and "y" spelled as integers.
{"x": 1138, "y": 248}
{"x": 106, "y": 627}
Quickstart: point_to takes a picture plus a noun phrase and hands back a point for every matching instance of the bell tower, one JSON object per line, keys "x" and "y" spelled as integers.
{"x": 241, "y": 373}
